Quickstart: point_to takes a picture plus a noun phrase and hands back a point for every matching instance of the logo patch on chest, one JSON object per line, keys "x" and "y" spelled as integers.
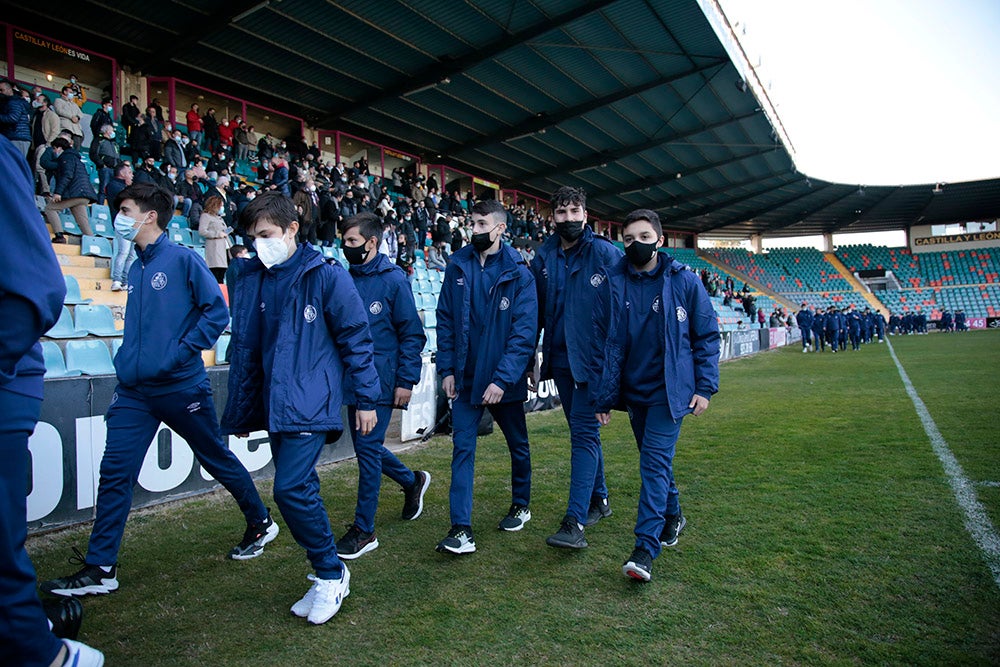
{"x": 504, "y": 303}
{"x": 682, "y": 314}
{"x": 375, "y": 308}
{"x": 159, "y": 280}
{"x": 596, "y": 280}
{"x": 309, "y": 312}
{"x": 656, "y": 305}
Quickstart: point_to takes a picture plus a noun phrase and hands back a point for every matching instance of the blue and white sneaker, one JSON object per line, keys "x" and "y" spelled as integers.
{"x": 328, "y": 595}
{"x": 81, "y": 655}
{"x": 459, "y": 541}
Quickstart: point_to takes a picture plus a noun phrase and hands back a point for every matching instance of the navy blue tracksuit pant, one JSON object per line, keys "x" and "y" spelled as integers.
{"x": 656, "y": 435}
{"x": 465, "y": 431}
{"x": 132, "y": 420}
{"x": 586, "y": 481}
{"x": 374, "y": 460}
{"x": 24, "y": 629}
{"x": 296, "y": 492}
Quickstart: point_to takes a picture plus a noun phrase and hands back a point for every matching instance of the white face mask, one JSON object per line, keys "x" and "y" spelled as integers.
{"x": 272, "y": 251}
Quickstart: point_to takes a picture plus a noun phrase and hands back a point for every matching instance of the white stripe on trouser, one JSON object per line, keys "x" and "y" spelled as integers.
{"x": 977, "y": 522}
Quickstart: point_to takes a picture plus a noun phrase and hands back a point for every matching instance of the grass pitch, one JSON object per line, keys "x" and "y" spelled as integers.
{"x": 821, "y": 530}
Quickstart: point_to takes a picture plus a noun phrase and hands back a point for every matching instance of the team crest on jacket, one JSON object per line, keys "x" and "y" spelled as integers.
{"x": 682, "y": 314}
{"x": 309, "y": 313}
{"x": 459, "y": 281}
{"x": 159, "y": 280}
{"x": 375, "y": 308}
{"x": 596, "y": 280}
{"x": 656, "y": 305}
{"x": 504, "y": 303}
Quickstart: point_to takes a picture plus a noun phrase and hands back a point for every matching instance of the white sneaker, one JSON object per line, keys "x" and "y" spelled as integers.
{"x": 302, "y": 607}
{"x": 330, "y": 594}
{"x": 117, "y": 286}
{"x": 81, "y": 655}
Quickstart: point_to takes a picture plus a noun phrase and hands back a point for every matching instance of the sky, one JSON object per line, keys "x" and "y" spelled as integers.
{"x": 880, "y": 92}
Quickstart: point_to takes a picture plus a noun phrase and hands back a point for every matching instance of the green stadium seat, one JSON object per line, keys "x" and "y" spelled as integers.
{"x": 98, "y": 320}
{"x": 95, "y": 246}
{"x": 55, "y": 364}
{"x": 222, "y": 349}
{"x": 116, "y": 343}
{"x": 73, "y": 296}
{"x": 64, "y": 327}
{"x": 101, "y": 221}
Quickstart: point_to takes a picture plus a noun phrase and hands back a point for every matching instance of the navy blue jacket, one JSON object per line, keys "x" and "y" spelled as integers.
{"x": 510, "y": 332}
{"x": 323, "y": 334}
{"x": 804, "y": 319}
{"x": 174, "y": 311}
{"x": 819, "y": 322}
{"x": 15, "y": 118}
{"x": 582, "y": 279}
{"x": 31, "y": 286}
{"x": 72, "y": 179}
{"x": 691, "y": 333}
{"x": 395, "y": 326}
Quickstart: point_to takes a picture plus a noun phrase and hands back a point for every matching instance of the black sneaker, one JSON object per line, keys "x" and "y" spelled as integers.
{"x": 569, "y": 535}
{"x": 356, "y": 542}
{"x": 88, "y": 580}
{"x": 639, "y": 565}
{"x": 413, "y": 504}
{"x": 254, "y": 539}
{"x": 458, "y": 541}
{"x": 672, "y": 529}
{"x": 599, "y": 509}
{"x": 65, "y": 615}
{"x": 517, "y": 516}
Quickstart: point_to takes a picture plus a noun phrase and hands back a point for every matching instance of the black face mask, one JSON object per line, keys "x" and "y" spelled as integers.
{"x": 355, "y": 255}
{"x": 482, "y": 242}
{"x": 639, "y": 254}
{"x": 570, "y": 230}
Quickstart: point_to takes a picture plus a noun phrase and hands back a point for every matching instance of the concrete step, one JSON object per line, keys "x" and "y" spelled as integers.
{"x": 81, "y": 261}
{"x": 67, "y": 249}
{"x": 87, "y": 273}
{"x": 104, "y": 296}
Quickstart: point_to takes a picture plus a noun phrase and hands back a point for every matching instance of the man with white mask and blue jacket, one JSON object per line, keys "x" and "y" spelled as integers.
{"x": 487, "y": 316}
{"x": 655, "y": 353}
{"x": 399, "y": 339}
{"x": 567, "y": 274}
{"x": 174, "y": 311}
{"x": 299, "y": 329}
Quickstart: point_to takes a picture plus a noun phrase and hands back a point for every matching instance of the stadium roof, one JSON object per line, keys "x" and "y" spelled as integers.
{"x": 635, "y": 100}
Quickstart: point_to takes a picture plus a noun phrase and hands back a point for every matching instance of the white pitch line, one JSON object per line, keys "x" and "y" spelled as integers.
{"x": 991, "y": 484}
{"x": 977, "y": 521}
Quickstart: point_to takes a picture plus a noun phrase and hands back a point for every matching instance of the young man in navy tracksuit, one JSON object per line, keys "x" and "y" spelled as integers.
{"x": 655, "y": 352}
{"x": 819, "y": 330}
{"x": 298, "y": 329}
{"x": 399, "y": 339}
{"x": 174, "y": 311}
{"x": 567, "y": 274}
{"x": 804, "y": 318}
{"x": 854, "y": 327}
{"x": 487, "y": 315}
{"x": 31, "y": 296}
{"x": 833, "y": 328}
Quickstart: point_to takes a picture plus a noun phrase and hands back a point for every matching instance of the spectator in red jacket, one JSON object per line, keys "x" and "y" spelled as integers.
{"x": 194, "y": 125}
{"x": 226, "y": 136}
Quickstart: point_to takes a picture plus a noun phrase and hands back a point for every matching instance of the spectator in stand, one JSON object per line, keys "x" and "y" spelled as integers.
{"x": 210, "y": 126}
{"x": 218, "y": 163}
{"x": 140, "y": 139}
{"x": 130, "y": 115}
{"x": 761, "y": 319}
{"x": 437, "y": 255}
{"x": 124, "y": 249}
{"x": 154, "y": 131}
{"x": 45, "y": 128}
{"x": 194, "y": 125}
{"x": 79, "y": 92}
{"x": 174, "y": 150}
{"x": 226, "y": 136}
{"x": 251, "y": 141}
{"x": 241, "y": 140}
{"x": 104, "y": 154}
{"x": 15, "y": 117}
{"x": 189, "y": 193}
{"x": 69, "y": 116}
{"x": 279, "y": 176}
{"x": 73, "y": 190}
{"x": 103, "y": 116}
{"x": 215, "y": 231}
{"x": 157, "y": 110}
{"x": 307, "y": 213}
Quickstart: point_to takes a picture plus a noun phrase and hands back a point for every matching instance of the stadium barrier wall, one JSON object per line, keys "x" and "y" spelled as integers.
{"x": 68, "y": 443}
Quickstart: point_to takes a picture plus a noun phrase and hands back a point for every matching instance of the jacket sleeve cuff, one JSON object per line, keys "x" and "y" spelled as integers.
{"x": 361, "y": 405}
{"x": 500, "y": 383}
{"x": 404, "y": 385}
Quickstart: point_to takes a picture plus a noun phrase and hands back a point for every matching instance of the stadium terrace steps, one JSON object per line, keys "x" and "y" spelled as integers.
{"x": 858, "y": 286}
{"x": 741, "y": 277}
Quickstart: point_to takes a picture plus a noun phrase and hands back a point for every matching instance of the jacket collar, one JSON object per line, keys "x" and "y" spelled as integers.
{"x": 381, "y": 264}
{"x": 153, "y": 249}
{"x": 467, "y": 258}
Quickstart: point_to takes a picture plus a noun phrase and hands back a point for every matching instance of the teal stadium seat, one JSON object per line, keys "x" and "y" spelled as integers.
{"x": 98, "y": 320}
{"x": 89, "y": 356}
{"x": 178, "y": 222}
{"x": 431, "y": 344}
{"x": 116, "y": 343}
{"x": 64, "y": 327}
{"x": 73, "y": 296}
{"x": 101, "y": 222}
{"x": 69, "y": 223}
{"x": 55, "y": 365}
{"x": 222, "y": 349}
{"x": 95, "y": 246}
{"x": 430, "y": 319}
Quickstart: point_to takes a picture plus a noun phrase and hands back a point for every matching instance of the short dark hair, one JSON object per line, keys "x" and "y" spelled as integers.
{"x": 368, "y": 225}
{"x": 490, "y": 207}
{"x": 568, "y": 195}
{"x": 149, "y": 197}
{"x": 236, "y": 250}
{"x": 644, "y": 214}
{"x": 271, "y": 206}
{"x": 121, "y": 167}
{"x": 61, "y": 142}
